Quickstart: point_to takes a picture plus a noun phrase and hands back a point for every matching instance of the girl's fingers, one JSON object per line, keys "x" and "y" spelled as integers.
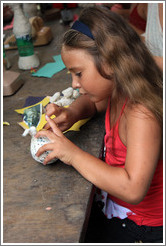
{"x": 44, "y": 133}
{"x": 49, "y": 157}
{"x": 47, "y": 126}
{"x": 52, "y": 109}
{"x": 55, "y": 129}
{"x": 45, "y": 147}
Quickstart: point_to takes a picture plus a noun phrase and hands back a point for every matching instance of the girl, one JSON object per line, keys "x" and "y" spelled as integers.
{"x": 114, "y": 71}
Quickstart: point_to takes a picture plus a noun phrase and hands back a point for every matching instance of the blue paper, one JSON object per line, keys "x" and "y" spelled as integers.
{"x": 51, "y": 68}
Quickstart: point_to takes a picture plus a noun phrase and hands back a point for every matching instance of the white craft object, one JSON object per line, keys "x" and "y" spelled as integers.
{"x": 69, "y": 95}
{"x": 36, "y": 143}
{"x": 55, "y": 97}
{"x": 68, "y": 92}
{"x": 75, "y": 94}
{"x": 23, "y": 35}
{"x": 58, "y": 103}
{"x": 30, "y": 9}
{"x": 64, "y": 101}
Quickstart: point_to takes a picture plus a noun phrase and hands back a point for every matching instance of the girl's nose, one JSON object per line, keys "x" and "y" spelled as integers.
{"x": 75, "y": 84}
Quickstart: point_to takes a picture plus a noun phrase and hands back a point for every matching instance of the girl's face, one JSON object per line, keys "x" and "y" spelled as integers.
{"x": 85, "y": 75}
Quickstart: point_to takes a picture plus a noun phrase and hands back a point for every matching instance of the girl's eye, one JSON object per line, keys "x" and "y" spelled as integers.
{"x": 78, "y": 74}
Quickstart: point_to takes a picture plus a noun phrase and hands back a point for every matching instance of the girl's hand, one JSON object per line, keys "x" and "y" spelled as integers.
{"x": 64, "y": 117}
{"x": 60, "y": 146}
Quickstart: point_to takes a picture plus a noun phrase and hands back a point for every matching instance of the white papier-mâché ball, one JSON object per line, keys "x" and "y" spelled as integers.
{"x": 36, "y": 143}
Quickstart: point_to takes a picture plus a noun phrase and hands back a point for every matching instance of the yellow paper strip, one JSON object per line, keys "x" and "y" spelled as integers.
{"x": 5, "y": 123}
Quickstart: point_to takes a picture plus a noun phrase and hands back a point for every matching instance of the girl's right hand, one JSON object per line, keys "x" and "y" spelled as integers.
{"x": 64, "y": 116}
{"x": 60, "y": 147}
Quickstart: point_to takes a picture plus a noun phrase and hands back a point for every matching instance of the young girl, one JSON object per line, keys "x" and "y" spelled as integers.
{"x": 114, "y": 71}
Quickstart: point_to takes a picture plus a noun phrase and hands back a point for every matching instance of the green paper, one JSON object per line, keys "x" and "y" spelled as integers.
{"x": 51, "y": 68}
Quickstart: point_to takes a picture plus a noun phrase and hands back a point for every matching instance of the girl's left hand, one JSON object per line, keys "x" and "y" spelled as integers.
{"x": 60, "y": 146}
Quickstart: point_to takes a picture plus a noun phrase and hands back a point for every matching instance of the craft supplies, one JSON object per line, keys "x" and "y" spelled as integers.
{"x": 51, "y": 68}
{"x": 30, "y": 9}
{"x": 67, "y": 97}
{"x": 36, "y": 143}
{"x": 6, "y": 62}
{"x": 11, "y": 82}
{"x": 5, "y": 123}
{"x": 34, "y": 119}
{"x": 23, "y": 35}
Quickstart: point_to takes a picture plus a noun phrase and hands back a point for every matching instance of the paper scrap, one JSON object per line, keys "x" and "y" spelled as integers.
{"x": 5, "y": 123}
{"x": 51, "y": 68}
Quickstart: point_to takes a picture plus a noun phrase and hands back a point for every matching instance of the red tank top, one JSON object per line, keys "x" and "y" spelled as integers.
{"x": 136, "y": 20}
{"x": 149, "y": 212}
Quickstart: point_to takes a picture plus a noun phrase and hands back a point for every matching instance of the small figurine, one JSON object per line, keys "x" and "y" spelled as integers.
{"x": 65, "y": 98}
{"x": 36, "y": 143}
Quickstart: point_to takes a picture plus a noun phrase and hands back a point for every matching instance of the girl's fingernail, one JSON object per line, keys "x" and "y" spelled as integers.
{"x": 46, "y": 117}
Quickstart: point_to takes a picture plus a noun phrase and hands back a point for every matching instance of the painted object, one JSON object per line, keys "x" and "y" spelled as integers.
{"x": 36, "y": 143}
{"x": 32, "y": 117}
{"x": 23, "y": 35}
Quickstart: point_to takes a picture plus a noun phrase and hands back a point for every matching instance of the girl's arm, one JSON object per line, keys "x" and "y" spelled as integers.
{"x": 81, "y": 108}
{"x": 143, "y": 141}
{"x": 143, "y": 138}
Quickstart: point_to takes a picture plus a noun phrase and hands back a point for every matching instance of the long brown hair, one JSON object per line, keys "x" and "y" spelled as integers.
{"x": 135, "y": 73}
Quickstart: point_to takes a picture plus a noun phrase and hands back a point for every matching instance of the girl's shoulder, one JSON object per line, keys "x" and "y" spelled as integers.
{"x": 138, "y": 113}
{"x": 135, "y": 110}
{"x": 138, "y": 116}
{"x": 137, "y": 119}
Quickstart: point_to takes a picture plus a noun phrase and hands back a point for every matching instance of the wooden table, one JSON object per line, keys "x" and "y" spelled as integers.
{"x": 44, "y": 204}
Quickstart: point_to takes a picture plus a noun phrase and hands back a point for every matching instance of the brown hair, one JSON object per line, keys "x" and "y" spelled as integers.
{"x": 136, "y": 75}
